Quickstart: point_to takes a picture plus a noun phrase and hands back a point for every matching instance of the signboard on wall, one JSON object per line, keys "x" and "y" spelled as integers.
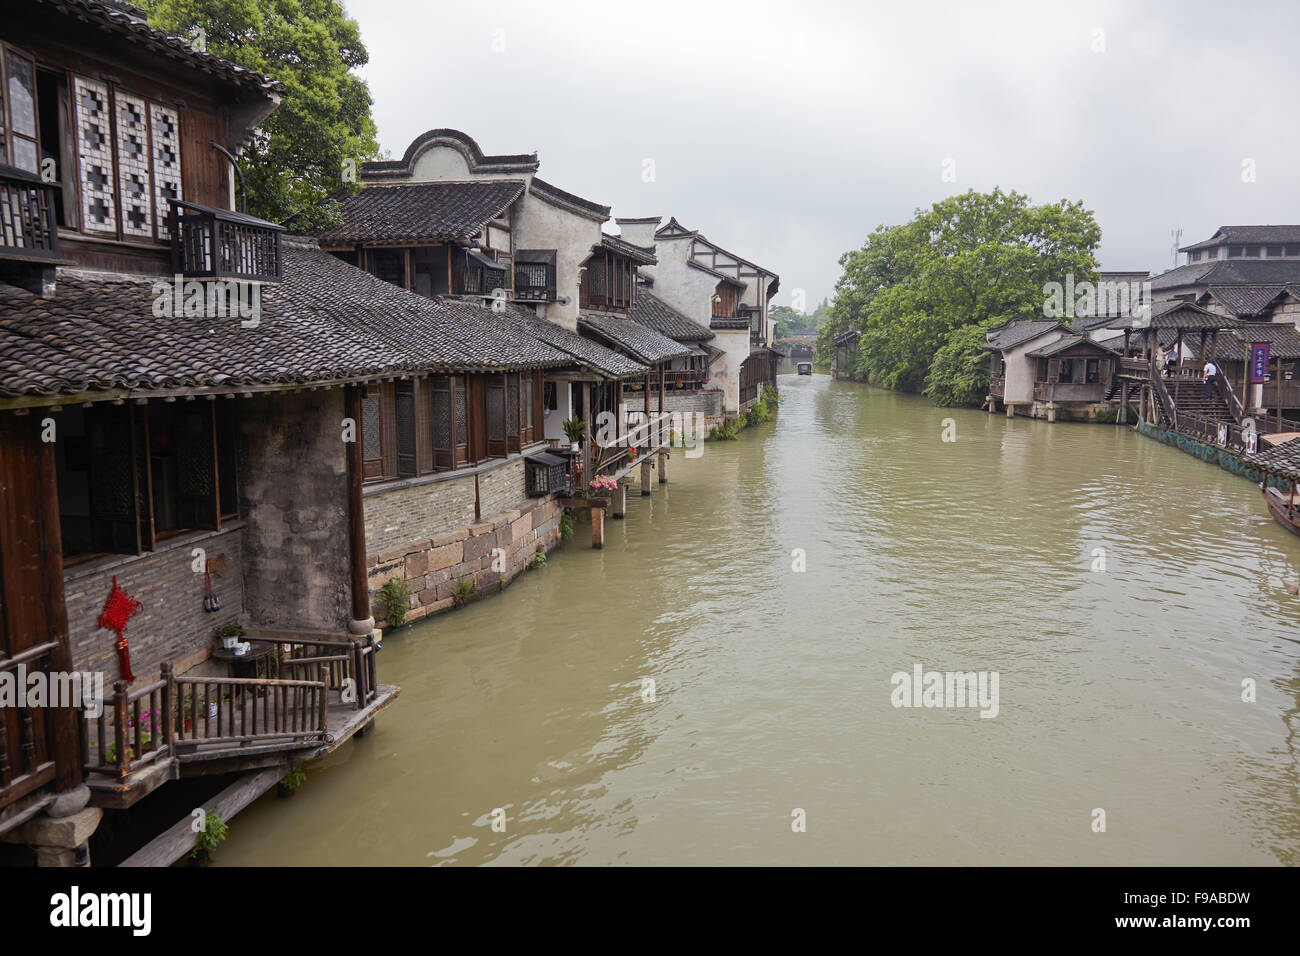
{"x": 1259, "y": 362}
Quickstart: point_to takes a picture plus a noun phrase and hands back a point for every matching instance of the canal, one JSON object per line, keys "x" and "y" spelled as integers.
{"x": 1119, "y": 690}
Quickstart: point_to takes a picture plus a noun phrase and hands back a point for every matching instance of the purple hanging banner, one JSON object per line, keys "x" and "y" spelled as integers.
{"x": 1259, "y": 362}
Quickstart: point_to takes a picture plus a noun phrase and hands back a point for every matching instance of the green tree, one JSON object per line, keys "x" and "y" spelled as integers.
{"x": 922, "y": 293}
{"x": 303, "y": 153}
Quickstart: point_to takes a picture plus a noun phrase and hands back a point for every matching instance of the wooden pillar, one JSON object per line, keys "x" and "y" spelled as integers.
{"x": 645, "y": 477}
{"x": 618, "y": 505}
{"x": 663, "y": 468}
{"x": 1277, "y": 376}
{"x": 597, "y": 528}
{"x": 362, "y": 622}
{"x": 1178, "y": 351}
{"x": 586, "y": 433}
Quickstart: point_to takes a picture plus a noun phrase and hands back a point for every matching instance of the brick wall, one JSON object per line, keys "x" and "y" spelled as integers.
{"x": 173, "y": 624}
{"x": 397, "y": 516}
{"x": 502, "y": 489}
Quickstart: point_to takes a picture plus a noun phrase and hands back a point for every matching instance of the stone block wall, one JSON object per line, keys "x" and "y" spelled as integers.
{"x": 435, "y": 566}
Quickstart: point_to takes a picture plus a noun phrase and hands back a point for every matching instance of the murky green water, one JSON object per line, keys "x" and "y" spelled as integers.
{"x": 1119, "y": 690}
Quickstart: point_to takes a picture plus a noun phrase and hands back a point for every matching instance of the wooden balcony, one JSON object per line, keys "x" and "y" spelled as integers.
{"x": 684, "y": 379}
{"x": 997, "y": 385}
{"x": 210, "y": 243}
{"x": 28, "y": 229}
{"x": 323, "y": 691}
{"x": 27, "y": 765}
{"x": 535, "y": 282}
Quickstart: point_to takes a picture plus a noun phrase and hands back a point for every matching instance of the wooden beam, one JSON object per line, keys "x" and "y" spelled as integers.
{"x": 356, "y": 509}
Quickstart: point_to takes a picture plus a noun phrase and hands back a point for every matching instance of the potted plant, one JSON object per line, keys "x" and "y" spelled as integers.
{"x": 574, "y": 429}
{"x": 230, "y": 635}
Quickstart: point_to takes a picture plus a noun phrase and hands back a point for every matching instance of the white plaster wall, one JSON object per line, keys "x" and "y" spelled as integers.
{"x": 540, "y": 225}
{"x": 724, "y": 373}
{"x": 687, "y": 290}
{"x": 553, "y": 421}
{"x": 1021, "y": 369}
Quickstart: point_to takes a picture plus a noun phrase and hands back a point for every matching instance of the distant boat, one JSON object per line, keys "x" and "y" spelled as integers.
{"x": 805, "y": 368}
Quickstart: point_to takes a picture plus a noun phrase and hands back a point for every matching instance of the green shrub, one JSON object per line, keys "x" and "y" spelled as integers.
{"x": 460, "y": 594}
{"x": 210, "y": 837}
{"x": 396, "y": 593}
{"x": 566, "y": 527}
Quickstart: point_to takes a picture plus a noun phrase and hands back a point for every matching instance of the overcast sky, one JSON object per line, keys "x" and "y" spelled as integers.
{"x": 786, "y": 132}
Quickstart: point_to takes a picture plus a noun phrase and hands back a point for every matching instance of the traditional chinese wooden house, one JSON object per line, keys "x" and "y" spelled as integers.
{"x": 205, "y": 467}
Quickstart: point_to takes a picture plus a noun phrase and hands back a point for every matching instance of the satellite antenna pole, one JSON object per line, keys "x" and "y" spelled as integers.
{"x": 1178, "y": 238}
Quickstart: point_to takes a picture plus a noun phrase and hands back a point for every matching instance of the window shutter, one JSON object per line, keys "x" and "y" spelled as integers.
{"x": 96, "y": 172}
{"x": 166, "y": 153}
{"x": 371, "y": 435}
{"x": 404, "y": 399}
{"x": 133, "y": 180}
{"x": 440, "y": 421}
{"x": 114, "y": 522}
{"x": 196, "y": 466}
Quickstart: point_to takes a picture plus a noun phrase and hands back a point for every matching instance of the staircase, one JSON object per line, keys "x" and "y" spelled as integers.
{"x": 1189, "y": 396}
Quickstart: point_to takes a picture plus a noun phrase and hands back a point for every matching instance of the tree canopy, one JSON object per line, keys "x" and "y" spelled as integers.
{"x": 924, "y": 292}
{"x": 307, "y": 150}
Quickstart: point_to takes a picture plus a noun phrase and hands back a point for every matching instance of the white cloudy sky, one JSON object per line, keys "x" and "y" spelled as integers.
{"x": 788, "y": 131}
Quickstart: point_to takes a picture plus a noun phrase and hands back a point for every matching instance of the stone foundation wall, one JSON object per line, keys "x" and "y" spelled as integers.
{"x": 434, "y": 566}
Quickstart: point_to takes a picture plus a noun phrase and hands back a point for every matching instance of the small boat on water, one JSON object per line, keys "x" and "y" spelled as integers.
{"x": 1279, "y": 461}
{"x": 804, "y": 368}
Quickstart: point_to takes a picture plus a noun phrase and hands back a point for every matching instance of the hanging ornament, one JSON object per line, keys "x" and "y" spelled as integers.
{"x": 118, "y": 609}
{"x": 210, "y": 602}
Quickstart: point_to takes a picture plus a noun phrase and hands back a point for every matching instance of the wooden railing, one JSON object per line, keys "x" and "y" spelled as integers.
{"x": 210, "y": 243}
{"x": 1224, "y": 388}
{"x": 534, "y": 281}
{"x": 643, "y": 436}
{"x": 344, "y": 660}
{"x": 1166, "y": 402}
{"x": 249, "y": 710}
{"x": 997, "y": 384}
{"x": 126, "y": 736}
{"x": 28, "y": 229}
{"x": 1134, "y": 366}
{"x": 26, "y": 762}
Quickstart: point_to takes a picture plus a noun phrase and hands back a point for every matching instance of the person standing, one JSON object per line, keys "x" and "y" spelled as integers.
{"x": 1211, "y": 370}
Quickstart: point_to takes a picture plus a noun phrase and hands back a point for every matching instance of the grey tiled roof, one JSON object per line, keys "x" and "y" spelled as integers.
{"x": 1241, "y": 271}
{"x": 421, "y": 212}
{"x": 129, "y": 20}
{"x": 1179, "y": 314}
{"x": 1245, "y": 301}
{"x": 1283, "y": 459}
{"x": 566, "y": 200}
{"x": 585, "y": 352}
{"x": 327, "y": 321}
{"x": 1234, "y": 344}
{"x": 1227, "y": 234}
{"x": 1066, "y": 342}
{"x": 642, "y": 343}
{"x": 653, "y": 312}
{"x": 1019, "y": 331}
{"x": 641, "y": 255}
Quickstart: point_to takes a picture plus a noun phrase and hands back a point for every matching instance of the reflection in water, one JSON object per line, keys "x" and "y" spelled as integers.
{"x": 1119, "y": 690}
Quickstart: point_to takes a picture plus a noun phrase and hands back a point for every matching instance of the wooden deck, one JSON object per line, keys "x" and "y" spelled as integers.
{"x": 191, "y": 758}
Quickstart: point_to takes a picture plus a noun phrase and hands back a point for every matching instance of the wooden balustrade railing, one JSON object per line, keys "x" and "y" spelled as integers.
{"x": 643, "y": 436}
{"x": 26, "y": 763}
{"x": 249, "y": 710}
{"x": 1166, "y": 401}
{"x": 134, "y": 727}
{"x": 28, "y": 229}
